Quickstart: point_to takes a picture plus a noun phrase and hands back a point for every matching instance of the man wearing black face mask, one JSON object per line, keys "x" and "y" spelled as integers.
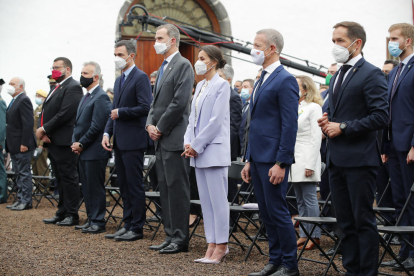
{"x": 93, "y": 112}
{"x": 56, "y": 129}
{"x": 153, "y": 78}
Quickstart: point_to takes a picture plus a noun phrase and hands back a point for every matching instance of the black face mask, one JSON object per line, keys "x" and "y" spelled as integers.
{"x": 152, "y": 87}
{"x": 86, "y": 82}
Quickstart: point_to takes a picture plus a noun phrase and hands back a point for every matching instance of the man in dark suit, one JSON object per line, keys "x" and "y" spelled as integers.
{"x": 132, "y": 100}
{"x": 3, "y": 175}
{"x": 353, "y": 154}
{"x": 57, "y": 121}
{"x": 247, "y": 85}
{"x": 20, "y": 141}
{"x": 91, "y": 118}
{"x": 166, "y": 125}
{"x": 398, "y": 138}
{"x": 272, "y": 137}
{"x": 324, "y": 184}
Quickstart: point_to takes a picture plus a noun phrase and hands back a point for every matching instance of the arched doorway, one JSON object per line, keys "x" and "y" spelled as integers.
{"x": 204, "y": 14}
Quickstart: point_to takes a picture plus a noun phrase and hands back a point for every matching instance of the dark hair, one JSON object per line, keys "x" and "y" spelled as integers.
{"x": 250, "y": 81}
{"x": 214, "y": 53}
{"x": 355, "y": 31}
{"x": 130, "y": 45}
{"x": 195, "y": 84}
{"x": 66, "y": 62}
{"x": 391, "y": 61}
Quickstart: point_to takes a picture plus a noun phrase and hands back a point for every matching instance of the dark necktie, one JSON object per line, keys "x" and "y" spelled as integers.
{"x": 11, "y": 103}
{"x": 337, "y": 88}
{"x": 246, "y": 105}
{"x": 259, "y": 84}
{"x": 161, "y": 72}
{"x": 394, "y": 87}
{"x": 84, "y": 99}
{"x": 122, "y": 79}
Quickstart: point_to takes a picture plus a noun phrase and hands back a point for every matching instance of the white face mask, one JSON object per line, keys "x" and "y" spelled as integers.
{"x": 301, "y": 94}
{"x": 258, "y": 56}
{"x": 10, "y": 90}
{"x": 341, "y": 54}
{"x": 201, "y": 67}
{"x": 161, "y": 48}
{"x": 120, "y": 63}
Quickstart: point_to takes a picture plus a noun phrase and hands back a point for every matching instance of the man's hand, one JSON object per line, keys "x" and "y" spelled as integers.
{"x": 384, "y": 158}
{"x": 153, "y": 132}
{"x": 40, "y": 147}
{"x": 76, "y": 149}
{"x": 189, "y": 152}
{"x": 308, "y": 173}
{"x": 276, "y": 174}
{"x": 106, "y": 144}
{"x": 40, "y": 133}
{"x": 46, "y": 139}
{"x": 410, "y": 156}
{"x": 114, "y": 114}
{"x": 23, "y": 148}
{"x": 245, "y": 173}
{"x": 323, "y": 121}
{"x": 332, "y": 129}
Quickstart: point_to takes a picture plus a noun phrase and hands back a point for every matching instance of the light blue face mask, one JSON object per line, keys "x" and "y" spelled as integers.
{"x": 244, "y": 94}
{"x": 394, "y": 48}
{"x": 38, "y": 101}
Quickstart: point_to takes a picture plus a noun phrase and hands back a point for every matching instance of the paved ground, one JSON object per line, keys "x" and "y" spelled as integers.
{"x": 29, "y": 247}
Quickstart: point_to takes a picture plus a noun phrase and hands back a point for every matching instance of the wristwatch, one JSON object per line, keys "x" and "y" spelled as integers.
{"x": 343, "y": 126}
{"x": 80, "y": 145}
{"x": 281, "y": 164}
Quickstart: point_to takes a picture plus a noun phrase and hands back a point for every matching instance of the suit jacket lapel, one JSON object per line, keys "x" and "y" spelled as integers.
{"x": 129, "y": 78}
{"x": 404, "y": 73}
{"x": 167, "y": 71}
{"x": 256, "y": 94}
{"x": 82, "y": 106}
{"x": 59, "y": 88}
{"x": 204, "y": 95}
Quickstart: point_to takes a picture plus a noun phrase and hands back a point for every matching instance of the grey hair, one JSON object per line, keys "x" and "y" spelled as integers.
{"x": 228, "y": 71}
{"x": 96, "y": 70}
{"x": 21, "y": 82}
{"x": 101, "y": 80}
{"x": 130, "y": 45}
{"x": 273, "y": 37}
{"x": 153, "y": 74}
{"x": 172, "y": 32}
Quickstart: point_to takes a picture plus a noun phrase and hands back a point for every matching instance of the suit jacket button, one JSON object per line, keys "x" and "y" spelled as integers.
{"x": 334, "y": 119}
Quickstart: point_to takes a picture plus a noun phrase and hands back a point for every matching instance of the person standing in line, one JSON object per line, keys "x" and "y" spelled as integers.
{"x": 3, "y": 175}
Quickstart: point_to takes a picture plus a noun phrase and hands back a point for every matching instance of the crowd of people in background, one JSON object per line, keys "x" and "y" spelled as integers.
{"x": 353, "y": 137}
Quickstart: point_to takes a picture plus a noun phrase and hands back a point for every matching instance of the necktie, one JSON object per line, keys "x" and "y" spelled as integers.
{"x": 43, "y": 111}
{"x": 161, "y": 71}
{"x": 11, "y": 103}
{"x": 246, "y": 105}
{"x": 122, "y": 79}
{"x": 84, "y": 99}
{"x": 259, "y": 84}
{"x": 394, "y": 87}
{"x": 337, "y": 88}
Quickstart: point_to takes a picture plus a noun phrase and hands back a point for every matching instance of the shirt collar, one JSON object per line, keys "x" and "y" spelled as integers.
{"x": 93, "y": 89}
{"x": 354, "y": 60}
{"x": 60, "y": 83}
{"x": 168, "y": 59}
{"x": 128, "y": 71}
{"x": 272, "y": 67}
{"x": 407, "y": 59}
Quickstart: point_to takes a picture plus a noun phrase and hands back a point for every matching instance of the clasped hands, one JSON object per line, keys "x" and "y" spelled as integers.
{"x": 153, "y": 132}
{"x": 41, "y": 135}
{"x": 189, "y": 151}
{"x": 76, "y": 149}
{"x": 331, "y": 129}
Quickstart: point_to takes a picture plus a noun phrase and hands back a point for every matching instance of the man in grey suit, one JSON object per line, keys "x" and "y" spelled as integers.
{"x": 166, "y": 125}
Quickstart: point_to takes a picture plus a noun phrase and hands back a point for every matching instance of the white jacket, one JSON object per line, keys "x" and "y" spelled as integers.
{"x": 308, "y": 144}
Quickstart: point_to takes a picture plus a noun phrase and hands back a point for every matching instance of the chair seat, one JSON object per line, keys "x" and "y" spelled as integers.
{"x": 319, "y": 220}
{"x": 10, "y": 172}
{"x": 322, "y": 202}
{"x": 291, "y": 197}
{"x": 152, "y": 194}
{"x": 42, "y": 177}
{"x": 239, "y": 208}
{"x": 198, "y": 202}
{"x": 384, "y": 209}
{"x": 396, "y": 229}
{"x": 111, "y": 188}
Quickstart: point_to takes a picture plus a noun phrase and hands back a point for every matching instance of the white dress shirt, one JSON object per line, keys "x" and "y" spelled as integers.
{"x": 269, "y": 70}
{"x": 198, "y": 99}
{"x": 168, "y": 59}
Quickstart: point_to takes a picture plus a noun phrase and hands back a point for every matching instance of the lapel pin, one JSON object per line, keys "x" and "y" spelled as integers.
{"x": 354, "y": 69}
{"x": 409, "y": 66}
{"x": 170, "y": 68}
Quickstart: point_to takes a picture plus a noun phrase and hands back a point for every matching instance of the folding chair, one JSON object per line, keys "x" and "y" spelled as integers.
{"x": 114, "y": 192}
{"x": 379, "y": 211}
{"x": 399, "y": 231}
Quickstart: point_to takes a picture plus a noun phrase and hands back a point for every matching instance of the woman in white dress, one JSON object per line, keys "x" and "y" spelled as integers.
{"x": 305, "y": 173}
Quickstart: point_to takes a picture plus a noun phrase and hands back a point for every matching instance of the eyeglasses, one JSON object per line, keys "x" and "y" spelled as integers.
{"x": 55, "y": 67}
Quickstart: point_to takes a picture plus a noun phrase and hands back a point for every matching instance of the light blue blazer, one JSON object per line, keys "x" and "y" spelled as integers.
{"x": 210, "y": 136}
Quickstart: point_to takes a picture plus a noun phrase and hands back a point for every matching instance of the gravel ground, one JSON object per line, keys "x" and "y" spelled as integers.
{"x": 30, "y": 247}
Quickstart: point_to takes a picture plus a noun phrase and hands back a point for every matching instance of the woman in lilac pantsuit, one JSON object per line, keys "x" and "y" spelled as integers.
{"x": 207, "y": 142}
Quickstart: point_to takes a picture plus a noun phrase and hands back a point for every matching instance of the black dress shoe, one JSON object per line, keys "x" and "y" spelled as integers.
{"x": 94, "y": 229}
{"x": 22, "y": 206}
{"x": 120, "y": 232}
{"x": 153, "y": 219}
{"x": 68, "y": 221}
{"x": 284, "y": 271}
{"x": 269, "y": 269}
{"x": 174, "y": 248}
{"x": 331, "y": 251}
{"x": 159, "y": 247}
{"x": 84, "y": 226}
{"x": 53, "y": 220}
{"x": 129, "y": 236}
{"x": 392, "y": 263}
{"x": 13, "y": 205}
{"x": 408, "y": 264}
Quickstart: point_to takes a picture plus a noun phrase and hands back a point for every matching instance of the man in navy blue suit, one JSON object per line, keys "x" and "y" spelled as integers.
{"x": 399, "y": 136}
{"x": 91, "y": 117}
{"x": 357, "y": 109}
{"x": 132, "y": 100}
{"x": 272, "y": 137}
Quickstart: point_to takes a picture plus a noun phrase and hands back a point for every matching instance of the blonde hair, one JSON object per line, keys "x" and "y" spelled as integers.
{"x": 312, "y": 93}
{"x": 407, "y": 30}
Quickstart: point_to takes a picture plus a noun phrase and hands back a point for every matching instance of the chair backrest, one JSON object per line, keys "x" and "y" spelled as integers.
{"x": 235, "y": 170}
{"x": 149, "y": 161}
{"x": 405, "y": 205}
{"x": 111, "y": 161}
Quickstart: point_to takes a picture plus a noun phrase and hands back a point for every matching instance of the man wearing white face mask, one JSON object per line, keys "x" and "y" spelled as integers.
{"x": 3, "y": 175}
{"x": 166, "y": 125}
{"x": 357, "y": 109}
{"x": 20, "y": 141}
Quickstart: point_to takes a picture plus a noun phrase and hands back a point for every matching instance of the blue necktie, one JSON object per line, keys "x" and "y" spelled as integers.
{"x": 122, "y": 79}
{"x": 259, "y": 84}
{"x": 84, "y": 100}
{"x": 394, "y": 86}
{"x": 161, "y": 71}
{"x": 11, "y": 103}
